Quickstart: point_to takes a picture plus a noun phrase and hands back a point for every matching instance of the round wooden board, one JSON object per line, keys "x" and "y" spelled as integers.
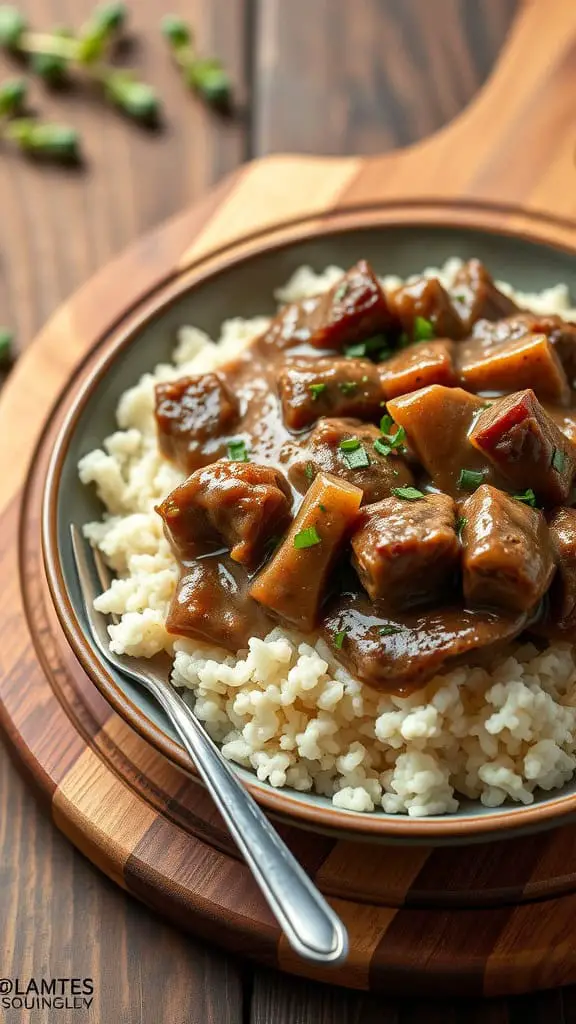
{"x": 493, "y": 919}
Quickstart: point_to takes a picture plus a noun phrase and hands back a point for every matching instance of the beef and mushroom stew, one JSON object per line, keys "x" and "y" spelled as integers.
{"x": 379, "y": 467}
{"x": 352, "y": 527}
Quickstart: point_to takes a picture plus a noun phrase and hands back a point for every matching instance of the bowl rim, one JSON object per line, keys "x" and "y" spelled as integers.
{"x": 88, "y": 374}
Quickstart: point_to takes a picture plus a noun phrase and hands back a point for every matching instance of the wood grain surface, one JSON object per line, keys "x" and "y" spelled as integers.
{"x": 405, "y": 75}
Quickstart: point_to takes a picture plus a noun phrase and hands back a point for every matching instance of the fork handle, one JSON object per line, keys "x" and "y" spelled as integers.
{"x": 309, "y": 923}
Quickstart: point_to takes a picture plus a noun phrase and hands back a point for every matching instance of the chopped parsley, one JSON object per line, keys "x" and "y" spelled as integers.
{"x": 389, "y": 630}
{"x": 237, "y": 451}
{"x": 558, "y": 460}
{"x": 309, "y": 472}
{"x": 349, "y": 444}
{"x": 348, "y": 387}
{"x": 470, "y": 479}
{"x": 407, "y": 493}
{"x": 339, "y": 639}
{"x": 528, "y": 498}
{"x": 357, "y": 459}
{"x": 316, "y": 390}
{"x": 396, "y": 440}
{"x": 403, "y": 340}
{"x": 354, "y": 351}
{"x": 340, "y": 292}
{"x": 381, "y": 447}
{"x": 307, "y": 538}
{"x": 423, "y": 329}
{"x": 460, "y": 297}
{"x": 370, "y": 346}
{"x": 322, "y": 508}
{"x": 390, "y": 442}
{"x": 460, "y": 524}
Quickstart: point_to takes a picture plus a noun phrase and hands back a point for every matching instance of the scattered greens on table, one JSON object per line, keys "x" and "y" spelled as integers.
{"x": 206, "y": 75}
{"x": 54, "y": 55}
{"x": 37, "y": 138}
{"x": 58, "y": 55}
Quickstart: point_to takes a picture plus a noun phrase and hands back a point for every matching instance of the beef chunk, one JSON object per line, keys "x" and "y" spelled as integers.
{"x": 401, "y": 652}
{"x": 238, "y": 504}
{"x": 560, "y": 622}
{"x": 418, "y": 366}
{"x": 527, "y": 447}
{"x": 407, "y": 553}
{"x": 426, "y": 298}
{"x": 212, "y": 604}
{"x": 355, "y": 308}
{"x": 475, "y": 295}
{"x": 293, "y": 583}
{"x": 507, "y": 557}
{"x": 311, "y": 388}
{"x": 321, "y": 453}
{"x": 560, "y": 333}
{"x": 437, "y": 422}
{"x": 530, "y": 361}
{"x": 194, "y": 417}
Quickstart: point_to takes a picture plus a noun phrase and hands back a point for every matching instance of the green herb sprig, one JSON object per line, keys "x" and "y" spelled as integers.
{"x": 206, "y": 75}
{"x": 36, "y": 138}
{"x": 54, "y": 55}
{"x": 6, "y": 348}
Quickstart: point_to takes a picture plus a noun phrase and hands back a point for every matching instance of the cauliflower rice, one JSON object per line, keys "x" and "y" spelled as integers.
{"x": 284, "y": 707}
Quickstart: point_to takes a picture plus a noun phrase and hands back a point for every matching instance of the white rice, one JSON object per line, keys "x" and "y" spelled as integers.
{"x": 284, "y": 707}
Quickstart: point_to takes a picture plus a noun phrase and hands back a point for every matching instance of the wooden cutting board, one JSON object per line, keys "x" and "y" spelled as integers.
{"x": 489, "y": 919}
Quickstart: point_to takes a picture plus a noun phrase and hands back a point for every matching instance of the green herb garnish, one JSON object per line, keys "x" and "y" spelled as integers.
{"x": 423, "y": 329}
{"x": 408, "y": 493}
{"x": 348, "y": 387}
{"x": 354, "y": 351}
{"x": 316, "y": 390}
{"x": 363, "y": 348}
{"x": 558, "y": 460}
{"x": 339, "y": 639}
{"x": 322, "y": 508}
{"x": 403, "y": 340}
{"x": 309, "y": 472}
{"x": 349, "y": 444}
{"x": 12, "y": 96}
{"x": 357, "y": 459}
{"x": 389, "y": 630}
{"x": 340, "y": 292}
{"x": 6, "y": 342}
{"x": 470, "y": 479}
{"x": 237, "y": 451}
{"x": 386, "y": 424}
{"x": 206, "y": 75}
{"x": 52, "y": 55}
{"x": 460, "y": 524}
{"x": 12, "y": 27}
{"x": 307, "y": 538}
{"x": 382, "y": 448}
{"x": 528, "y": 498}
{"x": 43, "y": 139}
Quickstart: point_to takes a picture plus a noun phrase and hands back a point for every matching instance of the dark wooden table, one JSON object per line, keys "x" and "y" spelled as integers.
{"x": 328, "y": 76}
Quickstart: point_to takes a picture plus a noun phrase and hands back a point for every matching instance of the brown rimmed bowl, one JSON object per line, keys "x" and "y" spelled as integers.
{"x": 241, "y": 283}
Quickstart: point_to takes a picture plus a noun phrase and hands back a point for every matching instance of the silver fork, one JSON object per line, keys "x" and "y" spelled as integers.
{"x": 307, "y": 920}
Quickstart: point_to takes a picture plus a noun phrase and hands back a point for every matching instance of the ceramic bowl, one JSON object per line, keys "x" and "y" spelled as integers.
{"x": 244, "y": 287}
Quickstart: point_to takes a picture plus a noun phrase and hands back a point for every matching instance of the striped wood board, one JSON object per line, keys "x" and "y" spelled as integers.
{"x": 489, "y": 919}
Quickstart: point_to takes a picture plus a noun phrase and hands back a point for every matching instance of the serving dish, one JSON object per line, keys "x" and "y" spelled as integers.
{"x": 242, "y": 289}
{"x": 236, "y": 278}
{"x": 470, "y": 188}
